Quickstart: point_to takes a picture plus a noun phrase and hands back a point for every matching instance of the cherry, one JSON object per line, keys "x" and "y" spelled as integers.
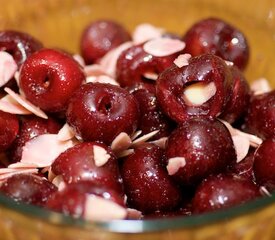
{"x": 239, "y": 101}
{"x": 49, "y": 77}
{"x": 134, "y": 64}
{"x": 205, "y": 147}
{"x": 177, "y": 88}
{"x": 259, "y": 119}
{"x": 28, "y": 188}
{"x": 9, "y": 127}
{"x": 223, "y": 191}
{"x": 73, "y": 198}
{"x": 100, "y": 37}
{"x": 147, "y": 184}
{"x": 151, "y": 116}
{"x": 19, "y": 44}
{"x": 215, "y": 36}
{"x": 99, "y": 112}
{"x": 81, "y": 163}
{"x": 264, "y": 164}
{"x": 30, "y": 127}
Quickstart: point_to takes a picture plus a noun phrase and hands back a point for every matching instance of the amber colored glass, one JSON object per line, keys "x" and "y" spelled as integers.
{"x": 58, "y": 23}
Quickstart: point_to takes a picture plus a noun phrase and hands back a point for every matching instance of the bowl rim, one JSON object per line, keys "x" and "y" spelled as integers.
{"x": 138, "y": 226}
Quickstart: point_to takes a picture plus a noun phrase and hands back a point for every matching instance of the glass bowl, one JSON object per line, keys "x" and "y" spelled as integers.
{"x": 58, "y": 23}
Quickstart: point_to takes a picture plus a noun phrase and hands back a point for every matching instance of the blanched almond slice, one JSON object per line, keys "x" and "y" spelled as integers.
{"x": 8, "y": 67}
{"x": 22, "y": 165}
{"x": 108, "y": 62}
{"x": 94, "y": 70}
{"x": 161, "y": 142}
{"x": 174, "y": 164}
{"x": 253, "y": 140}
{"x": 99, "y": 209}
{"x": 151, "y": 75}
{"x": 145, "y": 32}
{"x": 58, "y": 181}
{"x": 228, "y": 63}
{"x": 133, "y": 214}
{"x": 51, "y": 175}
{"x": 125, "y": 153}
{"x": 79, "y": 59}
{"x": 241, "y": 145}
{"x": 260, "y": 86}
{"x": 44, "y": 149}
{"x": 162, "y": 47}
{"x": 8, "y": 104}
{"x": 144, "y": 138}
{"x": 198, "y": 93}
{"x": 264, "y": 191}
{"x": 102, "y": 79}
{"x": 136, "y": 134}
{"x": 121, "y": 142}
{"x": 182, "y": 60}
{"x": 65, "y": 133}
{"x": 101, "y": 156}
{"x": 26, "y": 104}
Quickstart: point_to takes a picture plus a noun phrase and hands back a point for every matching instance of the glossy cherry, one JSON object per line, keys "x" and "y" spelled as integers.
{"x": 147, "y": 184}
{"x": 215, "y": 36}
{"x": 239, "y": 101}
{"x": 260, "y": 116}
{"x": 151, "y": 116}
{"x": 99, "y": 112}
{"x": 28, "y": 188}
{"x": 223, "y": 191}
{"x": 79, "y": 163}
{"x": 264, "y": 164}
{"x": 134, "y": 64}
{"x": 206, "y": 147}
{"x": 9, "y": 127}
{"x": 49, "y": 77}
{"x": 19, "y": 44}
{"x": 206, "y": 72}
{"x": 30, "y": 127}
{"x": 101, "y": 36}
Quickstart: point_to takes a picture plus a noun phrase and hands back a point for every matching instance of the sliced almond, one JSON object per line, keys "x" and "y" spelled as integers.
{"x": 145, "y": 32}
{"x": 8, "y": 104}
{"x": 260, "y": 86}
{"x": 65, "y": 133}
{"x": 161, "y": 142}
{"x": 121, "y": 142}
{"x": 101, "y": 156}
{"x": 100, "y": 209}
{"x": 8, "y": 67}
{"x": 174, "y": 164}
{"x": 151, "y": 76}
{"x": 125, "y": 153}
{"x": 241, "y": 145}
{"x": 199, "y": 93}
{"x": 182, "y": 60}
{"x": 133, "y": 214}
{"x": 144, "y": 138}
{"x": 162, "y": 47}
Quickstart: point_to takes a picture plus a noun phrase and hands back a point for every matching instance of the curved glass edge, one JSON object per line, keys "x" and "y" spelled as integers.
{"x": 138, "y": 226}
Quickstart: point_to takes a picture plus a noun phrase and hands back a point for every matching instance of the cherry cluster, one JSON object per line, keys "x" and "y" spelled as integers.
{"x": 144, "y": 125}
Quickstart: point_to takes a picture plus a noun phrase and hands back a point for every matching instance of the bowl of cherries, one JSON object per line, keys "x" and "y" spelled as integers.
{"x": 149, "y": 129}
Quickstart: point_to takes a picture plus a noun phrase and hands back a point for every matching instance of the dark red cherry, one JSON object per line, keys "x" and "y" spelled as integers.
{"x": 9, "y": 127}
{"x": 30, "y": 127}
{"x": 100, "y": 37}
{"x": 73, "y": 198}
{"x": 89, "y": 161}
{"x": 49, "y": 77}
{"x": 151, "y": 116}
{"x": 19, "y": 44}
{"x": 137, "y": 67}
{"x": 217, "y": 37}
{"x": 203, "y": 145}
{"x": 99, "y": 112}
{"x": 28, "y": 188}
{"x": 245, "y": 167}
{"x": 223, "y": 191}
{"x": 264, "y": 164}
{"x": 260, "y": 115}
{"x": 147, "y": 184}
{"x": 202, "y": 88}
{"x": 239, "y": 101}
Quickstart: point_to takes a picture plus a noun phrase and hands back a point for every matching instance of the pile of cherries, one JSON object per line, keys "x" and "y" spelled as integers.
{"x": 139, "y": 126}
